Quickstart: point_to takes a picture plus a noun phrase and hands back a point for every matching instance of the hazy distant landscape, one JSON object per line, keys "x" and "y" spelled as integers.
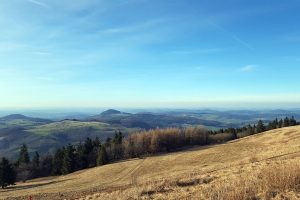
{"x": 46, "y": 135}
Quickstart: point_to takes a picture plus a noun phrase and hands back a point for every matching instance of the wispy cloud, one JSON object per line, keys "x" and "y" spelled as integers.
{"x": 133, "y": 28}
{"x": 242, "y": 42}
{"x": 248, "y": 68}
{"x": 232, "y": 35}
{"x": 38, "y": 3}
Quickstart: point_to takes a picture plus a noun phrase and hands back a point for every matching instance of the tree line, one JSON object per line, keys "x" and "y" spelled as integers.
{"x": 92, "y": 152}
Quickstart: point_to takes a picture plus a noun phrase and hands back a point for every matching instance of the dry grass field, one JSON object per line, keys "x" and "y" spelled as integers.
{"x": 263, "y": 166}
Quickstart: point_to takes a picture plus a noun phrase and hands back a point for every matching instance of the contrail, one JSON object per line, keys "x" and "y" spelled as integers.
{"x": 233, "y": 36}
{"x": 38, "y": 3}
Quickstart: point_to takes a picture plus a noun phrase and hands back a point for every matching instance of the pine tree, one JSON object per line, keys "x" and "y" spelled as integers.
{"x": 118, "y": 138}
{"x": 88, "y": 145}
{"x": 69, "y": 160}
{"x": 254, "y": 129}
{"x": 58, "y": 161}
{"x": 234, "y": 133}
{"x": 276, "y": 123}
{"x": 102, "y": 158}
{"x": 89, "y": 156}
{"x": 81, "y": 162}
{"x": 23, "y": 156}
{"x": 36, "y": 160}
{"x": 272, "y": 125}
{"x": 117, "y": 148}
{"x": 97, "y": 142}
{"x": 7, "y": 173}
{"x": 286, "y": 122}
{"x": 293, "y": 122}
{"x": 47, "y": 165}
{"x": 250, "y": 130}
{"x": 260, "y": 127}
{"x": 280, "y": 123}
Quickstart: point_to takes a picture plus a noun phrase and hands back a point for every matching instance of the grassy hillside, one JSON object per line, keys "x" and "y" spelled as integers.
{"x": 17, "y": 120}
{"x": 68, "y": 126}
{"x": 262, "y": 166}
{"x": 47, "y": 136}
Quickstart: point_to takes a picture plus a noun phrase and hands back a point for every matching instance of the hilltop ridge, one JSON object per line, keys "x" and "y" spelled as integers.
{"x": 110, "y": 112}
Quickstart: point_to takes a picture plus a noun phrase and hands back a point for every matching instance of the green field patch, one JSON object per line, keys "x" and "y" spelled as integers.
{"x": 67, "y": 126}
{"x": 18, "y": 123}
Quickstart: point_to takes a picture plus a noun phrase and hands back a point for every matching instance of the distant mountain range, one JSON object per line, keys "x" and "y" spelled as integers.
{"x": 46, "y": 135}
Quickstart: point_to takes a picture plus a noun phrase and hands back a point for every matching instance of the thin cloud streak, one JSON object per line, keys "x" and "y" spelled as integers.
{"x": 133, "y": 28}
{"x": 232, "y": 35}
{"x": 38, "y": 3}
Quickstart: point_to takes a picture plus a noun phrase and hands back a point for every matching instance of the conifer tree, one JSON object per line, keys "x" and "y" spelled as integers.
{"x": 7, "y": 173}
{"x": 97, "y": 142}
{"x": 250, "y": 130}
{"x": 117, "y": 149}
{"x": 102, "y": 157}
{"x": 272, "y": 125}
{"x": 293, "y": 122}
{"x": 276, "y": 123}
{"x": 260, "y": 127}
{"x": 23, "y": 156}
{"x": 36, "y": 160}
{"x": 81, "y": 162}
{"x": 69, "y": 160}
{"x": 118, "y": 138}
{"x": 58, "y": 161}
{"x": 88, "y": 145}
{"x": 280, "y": 123}
{"x": 286, "y": 122}
{"x": 47, "y": 165}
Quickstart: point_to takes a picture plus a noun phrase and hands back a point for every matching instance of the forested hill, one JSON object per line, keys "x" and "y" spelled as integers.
{"x": 45, "y": 135}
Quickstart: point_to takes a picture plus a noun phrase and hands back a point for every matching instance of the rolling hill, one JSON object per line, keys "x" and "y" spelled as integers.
{"x": 17, "y": 120}
{"x": 46, "y": 136}
{"x": 148, "y": 120}
{"x": 248, "y": 167}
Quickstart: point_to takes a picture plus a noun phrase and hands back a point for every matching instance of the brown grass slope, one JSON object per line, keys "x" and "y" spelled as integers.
{"x": 263, "y": 166}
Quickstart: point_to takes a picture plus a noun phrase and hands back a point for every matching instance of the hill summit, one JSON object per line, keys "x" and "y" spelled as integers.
{"x": 110, "y": 112}
{"x": 15, "y": 116}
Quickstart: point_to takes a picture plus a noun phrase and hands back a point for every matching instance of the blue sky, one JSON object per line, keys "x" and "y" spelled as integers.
{"x": 149, "y": 53}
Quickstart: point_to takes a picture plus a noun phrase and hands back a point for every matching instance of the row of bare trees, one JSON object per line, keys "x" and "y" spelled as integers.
{"x": 170, "y": 139}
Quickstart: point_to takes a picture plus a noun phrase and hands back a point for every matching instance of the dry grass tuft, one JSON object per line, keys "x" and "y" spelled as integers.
{"x": 253, "y": 159}
{"x": 271, "y": 182}
{"x": 280, "y": 179}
